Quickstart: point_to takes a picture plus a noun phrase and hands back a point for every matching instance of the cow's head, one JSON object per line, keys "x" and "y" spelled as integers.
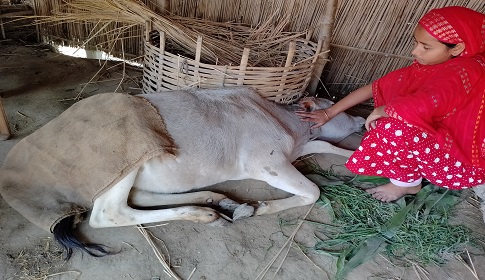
{"x": 310, "y": 104}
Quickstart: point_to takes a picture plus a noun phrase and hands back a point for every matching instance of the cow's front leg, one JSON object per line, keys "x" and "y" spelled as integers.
{"x": 287, "y": 178}
{"x": 319, "y": 146}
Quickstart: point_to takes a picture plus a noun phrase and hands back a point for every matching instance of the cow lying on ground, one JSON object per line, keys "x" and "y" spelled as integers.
{"x": 121, "y": 163}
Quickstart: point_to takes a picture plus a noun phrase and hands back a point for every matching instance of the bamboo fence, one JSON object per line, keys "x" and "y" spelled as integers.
{"x": 372, "y": 38}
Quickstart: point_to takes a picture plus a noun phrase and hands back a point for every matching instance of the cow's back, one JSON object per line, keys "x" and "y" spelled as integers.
{"x": 220, "y": 123}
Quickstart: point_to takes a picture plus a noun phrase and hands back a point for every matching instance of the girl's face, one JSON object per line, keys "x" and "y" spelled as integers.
{"x": 428, "y": 50}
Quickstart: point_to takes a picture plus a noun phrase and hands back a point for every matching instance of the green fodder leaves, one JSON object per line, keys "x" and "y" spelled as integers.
{"x": 414, "y": 228}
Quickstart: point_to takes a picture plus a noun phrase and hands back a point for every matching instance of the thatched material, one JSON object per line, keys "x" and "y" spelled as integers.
{"x": 305, "y": 14}
{"x": 266, "y": 27}
{"x": 104, "y": 23}
{"x": 113, "y": 37}
{"x": 370, "y": 38}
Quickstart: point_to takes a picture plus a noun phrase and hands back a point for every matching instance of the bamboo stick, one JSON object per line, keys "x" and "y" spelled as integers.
{"x": 198, "y": 52}
{"x": 326, "y": 37}
{"x": 372, "y": 52}
{"x": 289, "y": 60}
{"x": 243, "y": 65}
{"x": 4, "y": 129}
{"x": 2, "y": 29}
{"x": 161, "y": 55}
{"x": 148, "y": 29}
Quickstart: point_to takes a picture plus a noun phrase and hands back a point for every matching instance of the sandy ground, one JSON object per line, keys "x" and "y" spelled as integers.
{"x": 37, "y": 84}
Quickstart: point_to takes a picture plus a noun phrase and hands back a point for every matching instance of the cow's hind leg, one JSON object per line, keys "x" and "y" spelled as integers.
{"x": 111, "y": 209}
{"x": 141, "y": 198}
{"x": 287, "y": 178}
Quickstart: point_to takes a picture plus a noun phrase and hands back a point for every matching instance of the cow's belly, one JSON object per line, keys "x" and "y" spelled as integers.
{"x": 179, "y": 175}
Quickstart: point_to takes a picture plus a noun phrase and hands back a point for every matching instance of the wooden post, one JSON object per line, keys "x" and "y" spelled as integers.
{"x": 325, "y": 35}
{"x": 4, "y": 130}
{"x": 37, "y": 27}
{"x": 148, "y": 29}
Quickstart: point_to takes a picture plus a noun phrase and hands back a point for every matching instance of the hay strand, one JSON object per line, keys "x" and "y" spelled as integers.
{"x": 161, "y": 258}
{"x": 471, "y": 266}
{"x": 287, "y": 243}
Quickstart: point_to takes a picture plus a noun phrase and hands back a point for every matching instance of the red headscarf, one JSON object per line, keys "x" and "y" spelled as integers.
{"x": 446, "y": 100}
{"x": 456, "y": 25}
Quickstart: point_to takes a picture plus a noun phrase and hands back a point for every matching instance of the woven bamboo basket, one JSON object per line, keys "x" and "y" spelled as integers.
{"x": 163, "y": 71}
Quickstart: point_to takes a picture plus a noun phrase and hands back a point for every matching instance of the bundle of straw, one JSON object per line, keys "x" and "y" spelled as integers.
{"x": 223, "y": 42}
{"x": 268, "y": 42}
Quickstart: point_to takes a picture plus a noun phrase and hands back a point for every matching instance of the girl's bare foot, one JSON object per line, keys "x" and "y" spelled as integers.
{"x": 390, "y": 192}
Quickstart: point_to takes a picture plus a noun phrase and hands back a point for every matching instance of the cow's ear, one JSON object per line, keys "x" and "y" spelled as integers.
{"x": 307, "y": 104}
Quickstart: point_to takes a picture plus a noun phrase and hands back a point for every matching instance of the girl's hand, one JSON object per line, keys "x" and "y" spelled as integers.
{"x": 379, "y": 112}
{"x": 319, "y": 117}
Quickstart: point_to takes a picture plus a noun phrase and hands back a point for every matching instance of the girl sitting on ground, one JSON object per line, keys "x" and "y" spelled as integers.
{"x": 427, "y": 120}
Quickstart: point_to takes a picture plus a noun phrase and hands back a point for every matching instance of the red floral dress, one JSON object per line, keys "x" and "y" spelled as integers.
{"x": 403, "y": 152}
{"x": 435, "y": 128}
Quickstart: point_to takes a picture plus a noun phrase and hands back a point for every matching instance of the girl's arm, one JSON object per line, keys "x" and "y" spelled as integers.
{"x": 320, "y": 117}
{"x": 356, "y": 97}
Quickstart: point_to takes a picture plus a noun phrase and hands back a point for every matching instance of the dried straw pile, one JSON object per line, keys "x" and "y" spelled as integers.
{"x": 260, "y": 56}
{"x": 369, "y": 39}
{"x": 112, "y": 22}
{"x": 227, "y": 27}
{"x": 305, "y": 14}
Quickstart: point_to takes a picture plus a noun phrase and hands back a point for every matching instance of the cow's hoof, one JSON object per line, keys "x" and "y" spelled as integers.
{"x": 228, "y": 204}
{"x": 221, "y": 222}
{"x": 243, "y": 211}
{"x": 262, "y": 208}
{"x": 213, "y": 198}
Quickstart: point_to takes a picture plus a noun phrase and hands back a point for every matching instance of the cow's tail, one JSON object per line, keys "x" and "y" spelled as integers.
{"x": 67, "y": 236}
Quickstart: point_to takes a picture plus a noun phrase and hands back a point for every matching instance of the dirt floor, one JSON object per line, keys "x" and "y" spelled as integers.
{"x": 37, "y": 84}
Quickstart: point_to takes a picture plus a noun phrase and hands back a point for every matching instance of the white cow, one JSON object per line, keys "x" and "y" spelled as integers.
{"x": 220, "y": 134}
